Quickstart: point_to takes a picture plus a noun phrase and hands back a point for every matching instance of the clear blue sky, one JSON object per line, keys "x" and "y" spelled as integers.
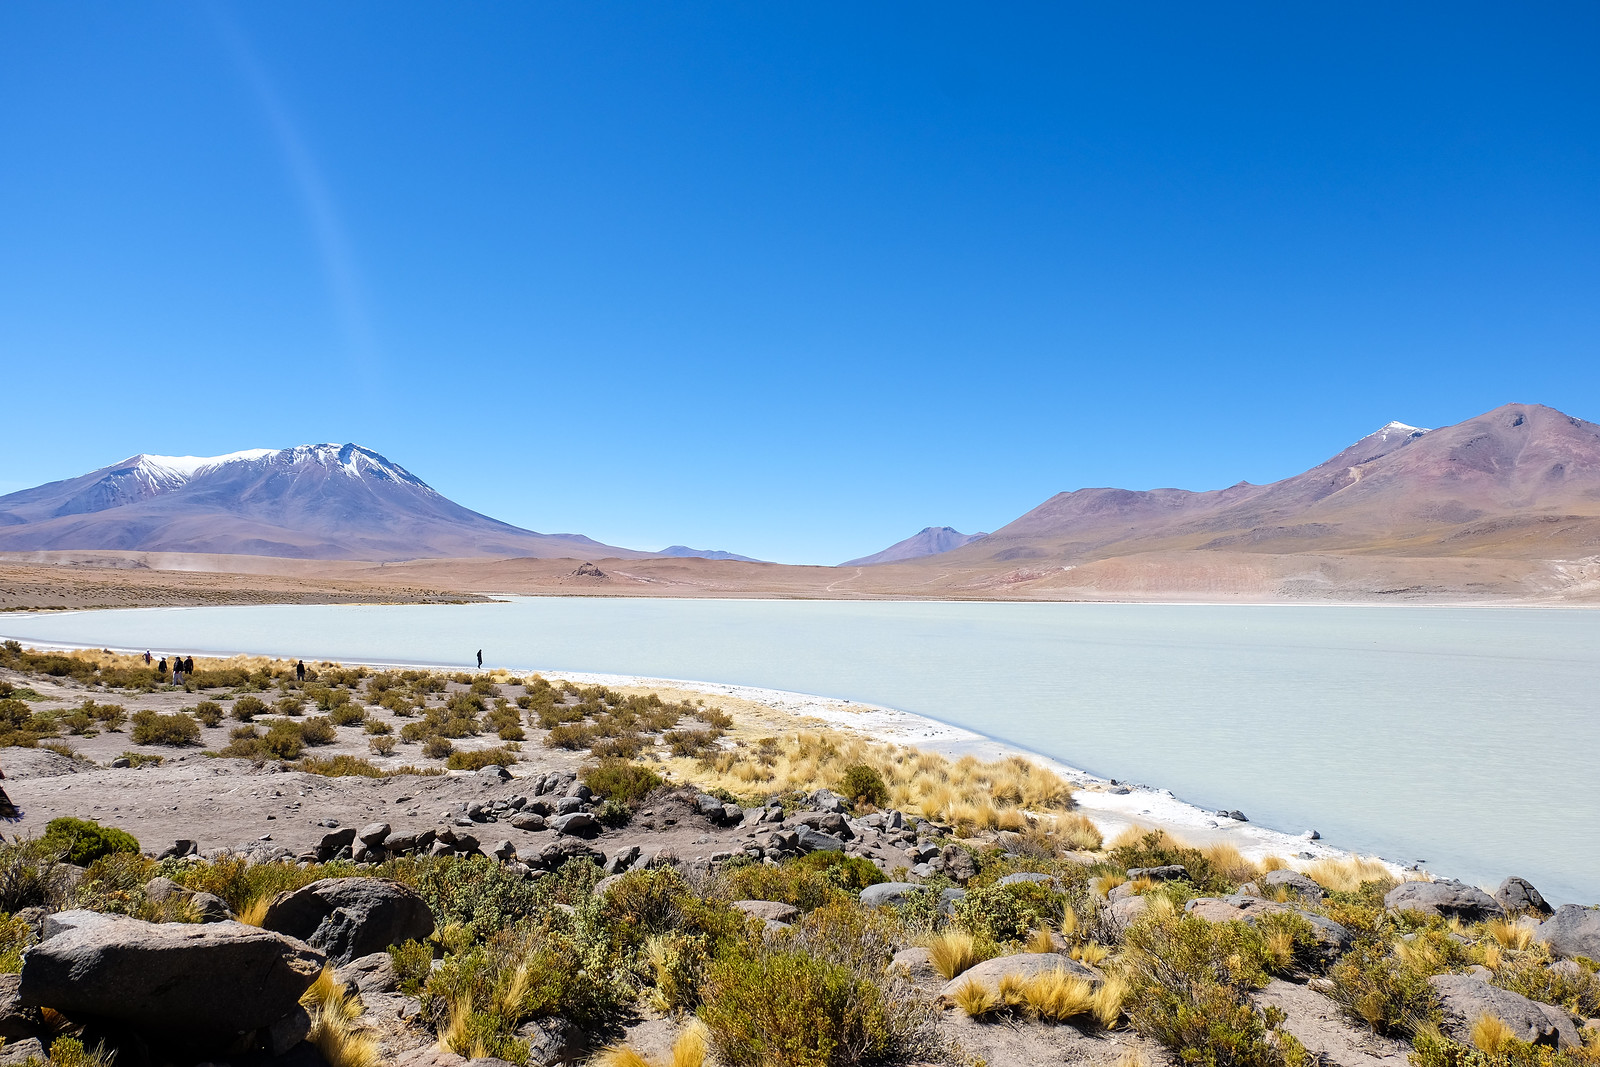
{"x": 793, "y": 280}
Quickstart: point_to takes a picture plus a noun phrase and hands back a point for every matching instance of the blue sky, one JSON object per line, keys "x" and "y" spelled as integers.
{"x": 791, "y": 280}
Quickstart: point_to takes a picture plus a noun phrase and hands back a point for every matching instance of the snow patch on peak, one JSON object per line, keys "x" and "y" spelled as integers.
{"x": 189, "y": 466}
{"x": 1401, "y": 428}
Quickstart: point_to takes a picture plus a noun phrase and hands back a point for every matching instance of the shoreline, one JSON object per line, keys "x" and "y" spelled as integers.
{"x": 1111, "y": 805}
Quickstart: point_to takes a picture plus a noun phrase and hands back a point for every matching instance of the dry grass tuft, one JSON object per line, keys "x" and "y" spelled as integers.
{"x": 333, "y": 1015}
{"x": 1057, "y": 996}
{"x": 1491, "y": 1035}
{"x": 1348, "y": 874}
{"x": 967, "y": 792}
{"x": 691, "y": 1047}
{"x": 1105, "y": 883}
{"x": 619, "y": 1056}
{"x": 1108, "y": 1001}
{"x": 1069, "y": 924}
{"x": 1012, "y": 990}
{"x": 1274, "y": 863}
{"x": 955, "y": 951}
{"x": 1513, "y": 935}
{"x": 976, "y": 999}
{"x": 1231, "y": 862}
{"x": 1090, "y": 952}
{"x": 253, "y": 913}
{"x": 1041, "y": 941}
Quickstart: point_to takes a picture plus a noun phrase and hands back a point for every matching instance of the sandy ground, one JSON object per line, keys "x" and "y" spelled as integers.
{"x": 110, "y": 579}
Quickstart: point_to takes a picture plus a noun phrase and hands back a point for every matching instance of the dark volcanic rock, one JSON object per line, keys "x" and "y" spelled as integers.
{"x": 350, "y": 917}
{"x": 1446, "y": 899}
{"x": 207, "y": 983}
{"x": 1519, "y": 897}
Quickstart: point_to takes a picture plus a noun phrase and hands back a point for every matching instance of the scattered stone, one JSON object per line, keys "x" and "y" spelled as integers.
{"x": 1462, "y": 998}
{"x": 529, "y": 821}
{"x": 373, "y": 833}
{"x": 888, "y": 893}
{"x": 16, "y": 1020}
{"x": 922, "y": 870}
{"x": 504, "y": 851}
{"x": 350, "y": 917}
{"x": 770, "y": 910}
{"x": 623, "y": 859}
{"x": 959, "y": 865}
{"x": 812, "y": 841}
{"x": 1172, "y": 872}
{"x": 1024, "y": 878}
{"x": 178, "y": 849}
{"x": 1519, "y": 897}
{"x": 25, "y": 1050}
{"x": 208, "y": 983}
{"x": 1446, "y": 899}
{"x": 1296, "y": 883}
{"x": 372, "y": 973}
{"x": 578, "y": 824}
{"x": 494, "y": 770}
{"x": 1573, "y": 931}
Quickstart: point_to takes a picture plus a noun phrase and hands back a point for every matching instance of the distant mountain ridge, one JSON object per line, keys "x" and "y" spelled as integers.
{"x": 929, "y": 541}
{"x": 326, "y": 501}
{"x": 1520, "y": 481}
{"x": 685, "y": 552}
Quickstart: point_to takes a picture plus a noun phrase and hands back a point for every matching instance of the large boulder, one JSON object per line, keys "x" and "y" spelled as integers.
{"x": 1025, "y": 966}
{"x": 16, "y": 1020}
{"x": 813, "y": 841}
{"x": 207, "y": 983}
{"x": 578, "y": 824}
{"x": 959, "y": 866}
{"x": 1519, "y": 897}
{"x": 350, "y": 917}
{"x": 1446, "y": 899}
{"x": 1332, "y": 938}
{"x": 1573, "y": 931}
{"x": 768, "y": 910}
{"x": 1463, "y": 998}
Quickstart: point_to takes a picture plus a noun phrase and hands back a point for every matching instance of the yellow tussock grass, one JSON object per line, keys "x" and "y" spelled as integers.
{"x": 1141, "y": 885}
{"x": 1230, "y": 861}
{"x": 1348, "y": 874}
{"x": 1041, "y": 941}
{"x": 1012, "y": 990}
{"x": 333, "y": 1014}
{"x": 953, "y": 952}
{"x": 1274, "y": 863}
{"x": 976, "y": 999}
{"x": 254, "y": 912}
{"x": 974, "y": 793}
{"x": 1058, "y": 996}
{"x": 691, "y": 1047}
{"x": 1105, "y": 883}
{"x": 1069, "y": 924}
{"x": 619, "y": 1056}
{"x": 1108, "y": 1001}
{"x": 1493, "y": 956}
{"x": 1512, "y": 935}
{"x": 1491, "y": 1035}
{"x": 1135, "y": 833}
{"x": 1090, "y": 952}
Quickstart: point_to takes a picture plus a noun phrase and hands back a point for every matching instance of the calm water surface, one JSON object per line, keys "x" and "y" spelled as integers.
{"x": 1469, "y": 738}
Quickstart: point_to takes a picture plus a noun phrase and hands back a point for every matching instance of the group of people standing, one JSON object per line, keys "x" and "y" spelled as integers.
{"x": 181, "y": 667}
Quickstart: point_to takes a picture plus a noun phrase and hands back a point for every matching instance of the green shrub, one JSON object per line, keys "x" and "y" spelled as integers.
{"x": 111, "y": 716}
{"x": 82, "y": 841}
{"x": 1156, "y": 849}
{"x": 619, "y": 780}
{"x": 317, "y": 730}
{"x": 436, "y": 747}
{"x": 142, "y": 759}
{"x": 1189, "y": 985}
{"x": 1390, "y": 995}
{"x": 340, "y": 767}
{"x": 246, "y": 708}
{"x": 16, "y": 934}
{"x": 689, "y": 744}
{"x": 1529, "y": 975}
{"x": 381, "y": 745}
{"x": 291, "y": 705}
{"x": 209, "y": 712}
{"x": 378, "y": 727}
{"x": 153, "y": 728}
{"x": 778, "y": 1007}
{"x": 807, "y": 882}
{"x": 346, "y": 715}
{"x": 1005, "y": 913}
{"x": 478, "y": 759}
{"x": 864, "y": 785}
{"x": 413, "y": 962}
{"x": 32, "y": 875}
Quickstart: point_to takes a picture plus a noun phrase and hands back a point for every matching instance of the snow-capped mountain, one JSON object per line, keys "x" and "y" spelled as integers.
{"x": 312, "y": 502}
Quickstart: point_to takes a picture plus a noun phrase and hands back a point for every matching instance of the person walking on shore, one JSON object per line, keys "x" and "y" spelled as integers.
{"x": 480, "y": 659}
{"x": 300, "y": 670}
{"x": 147, "y": 657}
{"x": 161, "y": 668}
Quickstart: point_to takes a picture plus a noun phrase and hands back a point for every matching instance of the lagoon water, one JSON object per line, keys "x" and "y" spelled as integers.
{"x": 1465, "y": 737}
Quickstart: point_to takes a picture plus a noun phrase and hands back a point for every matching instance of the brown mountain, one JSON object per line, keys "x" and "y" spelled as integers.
{"x": 929, "y": 541}
{"x": 1521, "y": 482}
{"x": 310, "y": 502}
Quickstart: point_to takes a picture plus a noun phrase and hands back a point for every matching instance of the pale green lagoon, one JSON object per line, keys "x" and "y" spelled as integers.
{"x": 1465, "y": 737}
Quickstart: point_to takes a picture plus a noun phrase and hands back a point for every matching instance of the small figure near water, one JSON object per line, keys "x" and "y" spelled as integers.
{"x": 300, "y": 670}
{"x": 147, "y": 657}
{"x": 161, "y": 668}
{"x": 480, "y": 659}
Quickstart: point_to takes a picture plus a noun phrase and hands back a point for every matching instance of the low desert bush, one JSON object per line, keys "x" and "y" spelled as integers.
{"x": 153, "y": 728}
{"x": 1136, "y": 847}
{"x": 1008, "y": 913}
{"x": 1390, "y": 994}
{"x": 862, "y": 784}
{"x": 436, "y": 747}
{"x": 246, "y": 708}
{"x": 32, "y": 875}
{"x": 382, "y": 745}
{"x": 808, "y": 882}
{"x": 346, "y": 715}
{"x": 378, "y": 727}
{"x": 292, "y": 705}
{"x": 142, "y": 759}
{"x": 318, "y": 730}
{"x": 209, "y": 712}
{"x": 615, "y": 779}
{"x": 82, "y": 841}
{"x": 1189, "y": 982}
{"x": 479, "y": 758}
{"x": 342, "y": 766}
